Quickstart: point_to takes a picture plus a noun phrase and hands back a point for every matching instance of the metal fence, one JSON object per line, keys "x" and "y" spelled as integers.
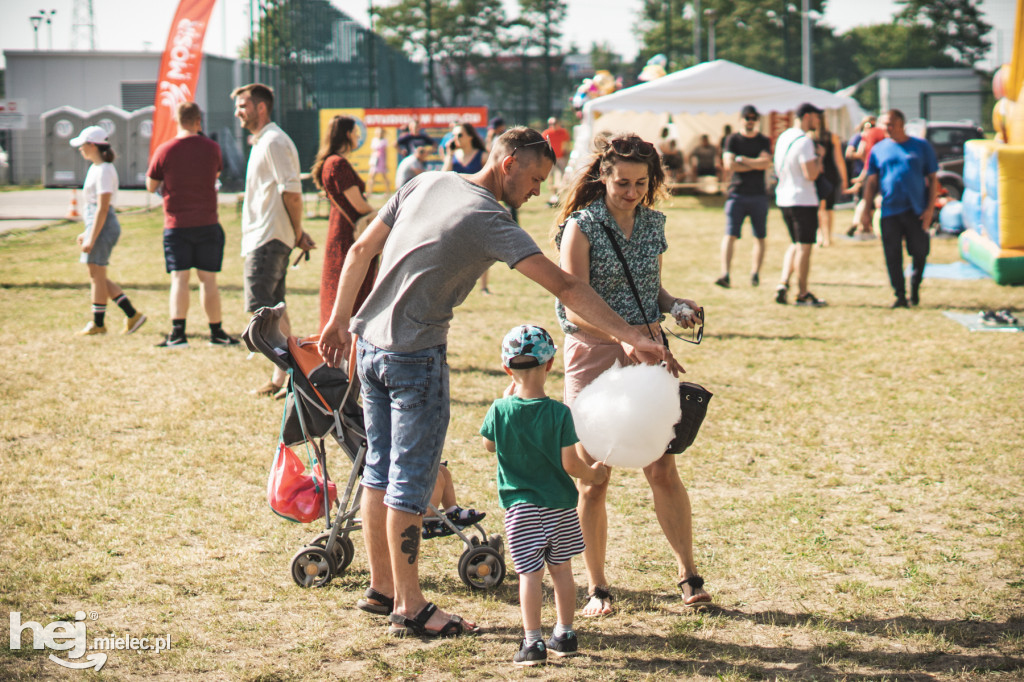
{"x": 324, "y": 59}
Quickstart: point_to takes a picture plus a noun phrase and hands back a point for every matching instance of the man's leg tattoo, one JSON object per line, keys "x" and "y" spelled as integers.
{"x": 411, "y": 545}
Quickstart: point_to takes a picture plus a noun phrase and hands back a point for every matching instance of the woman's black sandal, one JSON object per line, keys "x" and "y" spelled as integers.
{"x": 403, "y": 626}
{"x": 384, "y": 604}
{"x": 603, "y": 595}
{"x": 694, "y": 582}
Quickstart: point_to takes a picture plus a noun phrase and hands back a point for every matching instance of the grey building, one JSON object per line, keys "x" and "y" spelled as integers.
{"x": 932, "y": 94}
{"x": 113, "y": 82}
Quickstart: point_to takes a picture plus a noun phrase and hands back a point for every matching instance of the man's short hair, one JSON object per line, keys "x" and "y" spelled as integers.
{"x": 258, "y": 92}
{"x": 522, "y": 140}
{"x": 189, "y": 113}
{"x": 896, "y": 113}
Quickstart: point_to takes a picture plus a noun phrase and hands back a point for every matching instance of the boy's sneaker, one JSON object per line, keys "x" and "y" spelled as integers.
{"x": 534, "y": 654}
{"x": 92, "y": 330}
{"x": 564, "y": 645}
{"x": 781, "y": 292}
{"x": 223, "y": 340}
{"x": 132, "y": 324}
{"x": 173, "y": 342}
{"x": 755, "y": 280}
{"x": 723, "y": 281}
{"x": 810, "y": 299}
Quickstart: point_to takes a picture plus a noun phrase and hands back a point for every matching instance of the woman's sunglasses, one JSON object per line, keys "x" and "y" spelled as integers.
{"x": 696, "y": 332}
{"x": 632, "y": 146}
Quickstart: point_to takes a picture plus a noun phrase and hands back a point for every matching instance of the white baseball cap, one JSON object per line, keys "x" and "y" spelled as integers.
{"x": 93, "y": 134}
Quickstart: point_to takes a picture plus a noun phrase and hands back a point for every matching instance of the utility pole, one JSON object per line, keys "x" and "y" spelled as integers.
{"x": 696, "y": 31}
{"x": 546, "y": 111}
{"x": 372, "y": 62}
{"x": 710, "y": 14}
{"x": 805, "y": 21}
{"x": 668, "y": 34}
{"x": 431, "y": 87}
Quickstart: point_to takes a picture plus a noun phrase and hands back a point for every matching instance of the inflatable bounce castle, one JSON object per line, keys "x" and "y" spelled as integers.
{"x": 993, "y": 200}
{"x": 993, "y": 209}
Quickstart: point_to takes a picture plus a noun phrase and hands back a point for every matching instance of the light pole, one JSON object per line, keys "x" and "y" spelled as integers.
{"x": 805, "y": 26}
{"x": 696, "y": 31}
{"x": 35, "y": 20}
{"x": 49, "y": 23}
{"x": 710, "y": 14}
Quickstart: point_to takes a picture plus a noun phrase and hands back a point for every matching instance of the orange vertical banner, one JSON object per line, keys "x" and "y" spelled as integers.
{"x": 179, "y": 68}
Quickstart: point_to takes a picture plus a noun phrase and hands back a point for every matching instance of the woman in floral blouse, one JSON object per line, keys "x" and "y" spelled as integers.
{"x": 617, "y": 189}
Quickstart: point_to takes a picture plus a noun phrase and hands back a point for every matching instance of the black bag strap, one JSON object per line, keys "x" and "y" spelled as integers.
{"x": 629, "y": 277}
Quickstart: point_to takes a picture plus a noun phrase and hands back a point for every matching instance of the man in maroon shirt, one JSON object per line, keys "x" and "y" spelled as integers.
{"x": 184, "y": 172}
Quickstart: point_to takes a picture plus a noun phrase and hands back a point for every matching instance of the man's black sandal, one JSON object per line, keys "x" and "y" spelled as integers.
{"x": 403, "y": 626}
{"x": 384, "y": 604}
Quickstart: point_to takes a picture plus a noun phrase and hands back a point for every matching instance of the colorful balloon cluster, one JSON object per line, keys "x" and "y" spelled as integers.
{"x": 603, "y": 83}
{"x": 654, "y": 69}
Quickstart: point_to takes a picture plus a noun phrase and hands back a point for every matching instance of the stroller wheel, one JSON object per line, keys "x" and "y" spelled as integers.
{"x": 496, "y": 543}
{"x": 342, "y": 552}
{"x": 482, "y": 568}
{"x": 312, "y": 567}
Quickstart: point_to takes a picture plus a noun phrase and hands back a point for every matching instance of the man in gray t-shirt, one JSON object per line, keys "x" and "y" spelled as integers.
{"x": 436, "y": 236}
{"x": 412, "y": 165}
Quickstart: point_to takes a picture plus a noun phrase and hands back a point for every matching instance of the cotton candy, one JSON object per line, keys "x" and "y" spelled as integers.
{"x": 626, "y": 416}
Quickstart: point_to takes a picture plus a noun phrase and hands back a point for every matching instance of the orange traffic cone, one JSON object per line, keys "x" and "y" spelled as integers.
{"x": 73, "y": 207}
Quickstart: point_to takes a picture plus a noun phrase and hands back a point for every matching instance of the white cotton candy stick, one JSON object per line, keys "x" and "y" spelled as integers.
{"x": 626, "y": 416}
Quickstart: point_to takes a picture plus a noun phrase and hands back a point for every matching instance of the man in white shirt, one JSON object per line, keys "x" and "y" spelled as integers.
{"x": 797, "y": 166}
{"x": 272, "y": 210}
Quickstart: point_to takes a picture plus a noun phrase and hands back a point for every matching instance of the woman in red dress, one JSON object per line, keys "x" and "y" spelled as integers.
{"x": 345, "y": 189}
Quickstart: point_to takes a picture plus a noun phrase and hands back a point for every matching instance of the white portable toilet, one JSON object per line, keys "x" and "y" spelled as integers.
{"x": 114, "y": 120}
{"x": 140, "y": 134}
{"x": 63, "y": 165}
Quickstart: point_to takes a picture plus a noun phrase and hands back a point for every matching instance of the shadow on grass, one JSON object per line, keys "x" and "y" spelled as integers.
{"x": 132, "y": 286}
{"x": 725, "y": 336}
{"x": 840, "y": 659}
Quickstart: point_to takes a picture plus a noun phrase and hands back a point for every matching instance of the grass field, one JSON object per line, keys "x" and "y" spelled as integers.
{"x": 856, "y": 487}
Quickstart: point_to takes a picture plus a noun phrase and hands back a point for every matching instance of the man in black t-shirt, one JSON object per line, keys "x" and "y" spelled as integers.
{"x": 407, "y": 142}
{"x": 747, "y": 156}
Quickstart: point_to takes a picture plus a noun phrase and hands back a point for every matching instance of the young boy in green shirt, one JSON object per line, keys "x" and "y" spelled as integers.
{"x": 534, "y": 438}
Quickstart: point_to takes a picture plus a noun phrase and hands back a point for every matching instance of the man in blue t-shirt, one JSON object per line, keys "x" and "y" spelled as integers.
{"x": 903, "y": 169}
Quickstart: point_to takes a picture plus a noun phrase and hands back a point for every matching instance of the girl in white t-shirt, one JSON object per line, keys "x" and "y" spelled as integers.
{"x": 101, "y": 231}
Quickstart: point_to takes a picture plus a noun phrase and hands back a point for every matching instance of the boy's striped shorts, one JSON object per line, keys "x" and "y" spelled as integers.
{"x": 538, "y": 534}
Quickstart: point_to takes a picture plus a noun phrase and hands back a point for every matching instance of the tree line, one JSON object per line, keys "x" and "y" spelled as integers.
{"x": 521, "y": 64}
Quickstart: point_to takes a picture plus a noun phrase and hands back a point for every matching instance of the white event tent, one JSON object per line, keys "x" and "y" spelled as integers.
{"x": 703, "y": 99}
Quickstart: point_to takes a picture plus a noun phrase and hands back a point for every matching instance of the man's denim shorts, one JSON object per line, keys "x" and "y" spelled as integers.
{"x": 405, "y": 413}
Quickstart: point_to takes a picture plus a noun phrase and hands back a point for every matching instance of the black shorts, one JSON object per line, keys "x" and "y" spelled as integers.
{"x": 201, "y": 248}
{"x": 802, "y": 223}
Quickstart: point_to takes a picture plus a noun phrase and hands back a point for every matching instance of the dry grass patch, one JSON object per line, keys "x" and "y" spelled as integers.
{"x": 856, "y": 488}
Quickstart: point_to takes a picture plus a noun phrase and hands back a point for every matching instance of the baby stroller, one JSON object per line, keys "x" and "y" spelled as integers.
{"x": 323, "y": 403}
